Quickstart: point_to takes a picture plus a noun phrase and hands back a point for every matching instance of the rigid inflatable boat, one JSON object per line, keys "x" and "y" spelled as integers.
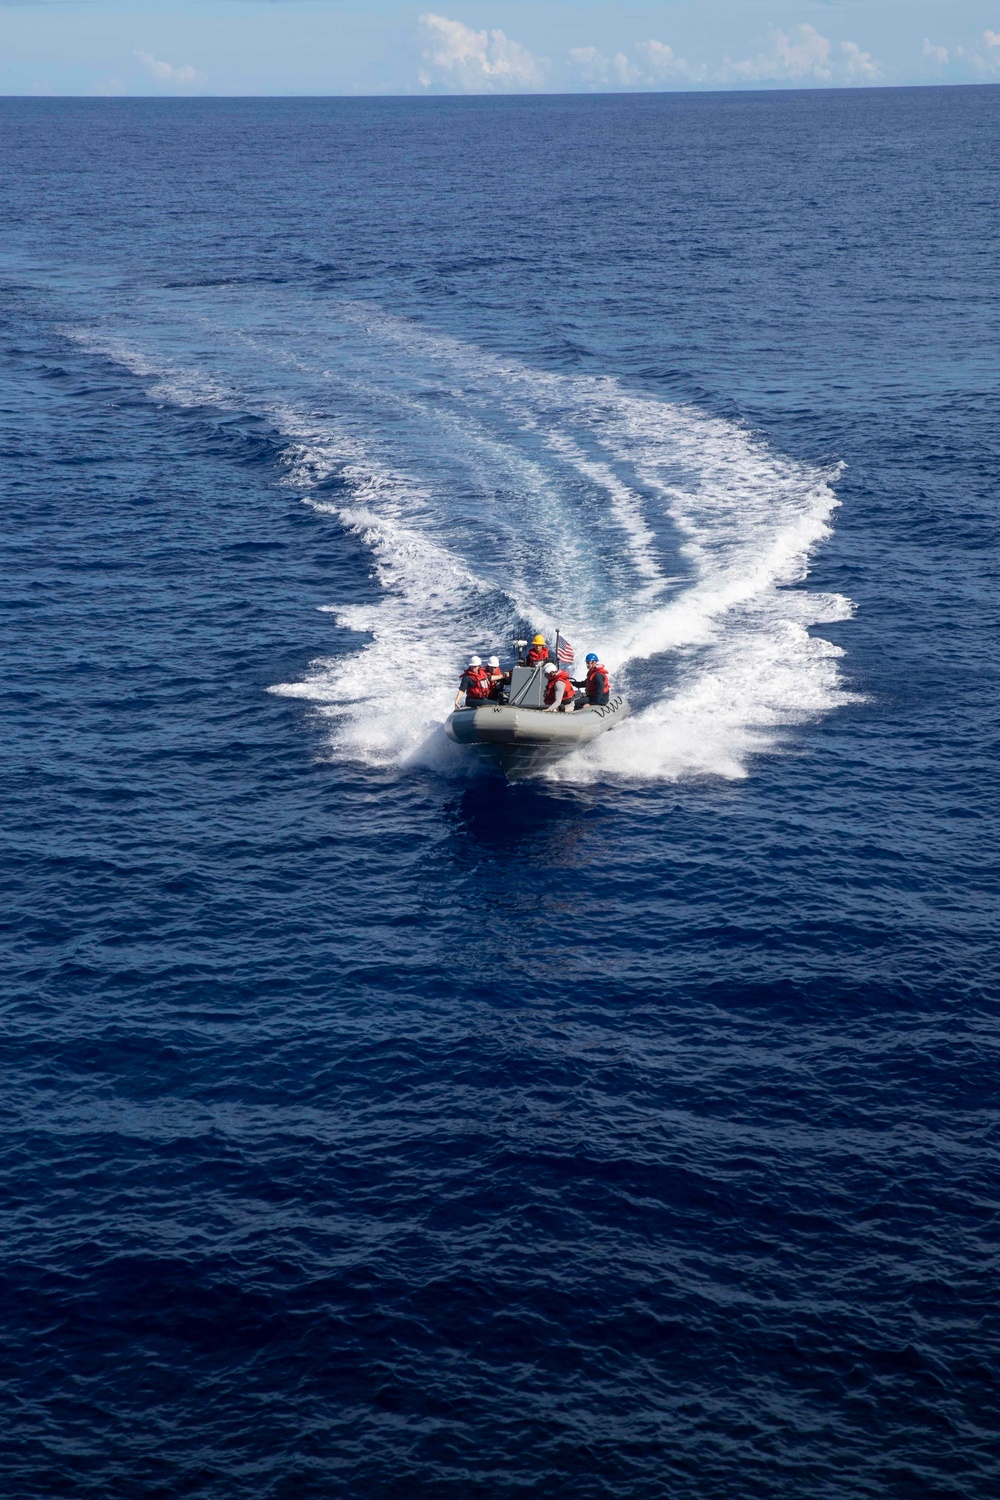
{"x": 520, "y": 735}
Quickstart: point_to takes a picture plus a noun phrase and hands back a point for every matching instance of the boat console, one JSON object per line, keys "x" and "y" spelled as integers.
{"x": 527, "y": 687}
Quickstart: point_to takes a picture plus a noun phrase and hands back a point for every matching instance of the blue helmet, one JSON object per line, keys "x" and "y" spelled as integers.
{"x": 591, "y": 655}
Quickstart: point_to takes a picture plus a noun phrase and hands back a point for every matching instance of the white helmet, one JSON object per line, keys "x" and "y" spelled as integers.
{"x": 474, "y": 661}
{"x": 549, "y": 668}
{"x": 494, "y": 661}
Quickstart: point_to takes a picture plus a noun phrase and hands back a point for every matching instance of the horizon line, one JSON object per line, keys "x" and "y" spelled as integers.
{"x": 428, "y": 97}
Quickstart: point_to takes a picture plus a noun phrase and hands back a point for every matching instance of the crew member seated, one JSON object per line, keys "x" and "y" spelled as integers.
{"x": 474, "y": 687}
{"x": 597, "y": 682}
{"x": 559, "y": 693}
{"x": 539, "y": 651}
{"x": 498, "y": 679}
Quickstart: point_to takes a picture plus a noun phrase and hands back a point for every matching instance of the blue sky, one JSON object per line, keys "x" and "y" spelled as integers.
{"x": 154, "y": 47}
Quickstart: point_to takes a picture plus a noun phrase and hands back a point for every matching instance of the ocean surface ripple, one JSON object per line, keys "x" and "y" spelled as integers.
{"x": 374, "y": 1128}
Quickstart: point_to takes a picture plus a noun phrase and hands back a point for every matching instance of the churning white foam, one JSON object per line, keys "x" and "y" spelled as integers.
{"x": 672, "y": 541}
{"x": 736, "y": 626}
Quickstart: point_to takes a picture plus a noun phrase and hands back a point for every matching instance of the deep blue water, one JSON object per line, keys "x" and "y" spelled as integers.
{"x": 373, "y": 1128}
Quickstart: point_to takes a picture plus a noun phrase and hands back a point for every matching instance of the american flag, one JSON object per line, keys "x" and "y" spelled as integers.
{"x": 564, "y": 650}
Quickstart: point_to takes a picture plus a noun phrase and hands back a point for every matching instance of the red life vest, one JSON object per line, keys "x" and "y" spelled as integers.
{"x": 550, "y": 687}
{"x": 477, "y": 682}
{"x": 598, "y": 681}
{"x": 537, "y": 654}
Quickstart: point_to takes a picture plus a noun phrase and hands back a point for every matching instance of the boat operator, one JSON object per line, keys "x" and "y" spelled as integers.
{"x": 539, "y": 651}
{"x": 597, "y": 683}
{"x": 474, "y": 687}
{"x": 559, "y": 691}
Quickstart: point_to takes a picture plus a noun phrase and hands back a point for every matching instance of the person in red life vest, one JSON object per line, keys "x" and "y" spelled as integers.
{"x": 539, "y": 651}
{"x": 474, "y": 687}
{"x": 559, "y": 693}
{"x": 497, "y": 678}
{"x": 597, "y": 682}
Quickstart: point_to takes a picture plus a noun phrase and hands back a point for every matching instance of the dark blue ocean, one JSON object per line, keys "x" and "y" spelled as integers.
{"x": 372, "y": 1127}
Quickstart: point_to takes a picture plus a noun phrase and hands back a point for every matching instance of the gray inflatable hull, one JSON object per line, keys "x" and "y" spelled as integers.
{"x": 523, "y": 740}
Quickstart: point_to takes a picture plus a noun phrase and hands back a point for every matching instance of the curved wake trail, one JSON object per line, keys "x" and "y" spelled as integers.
{"x": 489, "y": 493}
{"x": 745, "y": 522}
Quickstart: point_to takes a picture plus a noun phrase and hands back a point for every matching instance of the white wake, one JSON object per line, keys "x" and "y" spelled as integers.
{"x": 673, "y": 542}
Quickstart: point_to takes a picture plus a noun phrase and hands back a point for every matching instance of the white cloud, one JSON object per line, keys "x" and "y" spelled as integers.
{"x": 625, "y": 72}
{"x": 167, "y": 73}
{"x": 477, "y": 62}
{"x": 662, "y": 58}
{"x": 592, "y": 66}
{"x": 984, "y": 59}
{"x": 462, "y": 59}
{"x": 801, "y": 53}
{"x": 663, "y": 63}
{"x": 655, "y": 64}
{"x": 858, "y": 66}
{"x": 804, "y": 54}
{"x": 933, "y": 50}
